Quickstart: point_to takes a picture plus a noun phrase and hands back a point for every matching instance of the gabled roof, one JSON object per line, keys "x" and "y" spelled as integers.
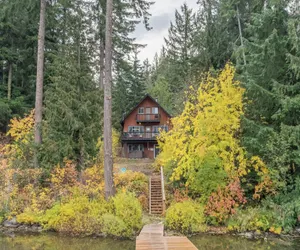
{"x": 146, "y": 96}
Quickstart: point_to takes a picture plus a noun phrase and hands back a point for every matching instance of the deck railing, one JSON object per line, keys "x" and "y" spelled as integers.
{"x": 148, "y": 117}
{"x": 139, "y": 135}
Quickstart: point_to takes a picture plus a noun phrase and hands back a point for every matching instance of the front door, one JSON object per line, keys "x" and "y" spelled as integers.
{"x": 156, "y": 150}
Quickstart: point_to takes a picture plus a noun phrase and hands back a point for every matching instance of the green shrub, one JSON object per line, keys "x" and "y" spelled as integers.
{"x": 254, "y": 219}
{"x": 2, "y": 216}
{"x": 128, "y": 209}
{"x": 113, "y": 225}
{"x": 186, "y": 217}
{"x": 286, "y": 210}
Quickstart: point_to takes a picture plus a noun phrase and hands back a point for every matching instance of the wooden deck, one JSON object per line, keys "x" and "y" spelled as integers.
{"x": 152, "y": 237}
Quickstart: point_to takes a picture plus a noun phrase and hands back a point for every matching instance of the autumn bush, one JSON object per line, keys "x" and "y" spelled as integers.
{"x": 77, "y": 216}
{"x": 128, "y": 209}
{"x": 134, "y": 182}
{"x": 224, "y": 202}
{"x": 187, "y": 217}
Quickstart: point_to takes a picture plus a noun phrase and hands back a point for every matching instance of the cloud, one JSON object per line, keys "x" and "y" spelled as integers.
{"x": 163, "y": 12}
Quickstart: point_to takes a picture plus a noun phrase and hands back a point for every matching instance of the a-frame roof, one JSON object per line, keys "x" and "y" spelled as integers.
{"x": 145, "y": 97}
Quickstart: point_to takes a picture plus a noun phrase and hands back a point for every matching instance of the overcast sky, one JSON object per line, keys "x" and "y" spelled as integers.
{"x": 163, "y": 12}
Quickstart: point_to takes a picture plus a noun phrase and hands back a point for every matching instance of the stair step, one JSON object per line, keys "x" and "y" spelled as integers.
{"x": 156, "y": 202}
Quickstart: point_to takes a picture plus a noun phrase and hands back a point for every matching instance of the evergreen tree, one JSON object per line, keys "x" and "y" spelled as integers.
{"x": 180, "y": 48}
{"x": 271, "y": 127}
{"x": 137, "y": 86}
{"x": 73, "y": 112}
{"x": 18, "y": 31}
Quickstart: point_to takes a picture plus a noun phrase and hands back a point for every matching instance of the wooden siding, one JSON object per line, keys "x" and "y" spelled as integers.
{"x": 131, "y": 120}
{"x": 147, "y": 103}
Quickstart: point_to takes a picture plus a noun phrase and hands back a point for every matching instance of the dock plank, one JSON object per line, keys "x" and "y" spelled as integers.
{"x": 152, "y": 237}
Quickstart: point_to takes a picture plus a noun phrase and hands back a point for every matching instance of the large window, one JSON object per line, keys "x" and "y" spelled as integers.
{"x": 157, "y": 129}
{"x": 155, "y": 110}
{"x": 135, "y": 129}
{"x": 135, "y": 147}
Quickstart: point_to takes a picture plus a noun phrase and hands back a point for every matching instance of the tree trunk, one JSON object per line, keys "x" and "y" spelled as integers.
{"x": 40, "y": 76}
{"x": 3, "y": 73}
{"x": 102, "y": 67}
{"x": 108, "y": 157}
{"x": 9, "y": 81}
{"x": 241, "y": 34}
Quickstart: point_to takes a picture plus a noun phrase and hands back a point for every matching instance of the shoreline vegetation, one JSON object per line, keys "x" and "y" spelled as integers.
{"x": 209, "y": 179}
{"x": 12, "y": 228}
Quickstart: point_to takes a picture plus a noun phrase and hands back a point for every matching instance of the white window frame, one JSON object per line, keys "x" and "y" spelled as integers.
{"x": 154, "y": 110}
{"x": 135, "y": 129}
{"x": 139, "y": 110}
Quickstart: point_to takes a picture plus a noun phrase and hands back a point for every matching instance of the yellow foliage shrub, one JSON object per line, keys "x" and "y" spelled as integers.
{"x": 128, "y": 208}
{"x": 93, "y": 181}
{"x": 122, "y": 216}
{"x": 78, "y": 216}
{"x": 19, "y": 152}
{"x": 186, "y": 217}
{"x": 29, "y": 217}
{"x": 113, "y": 225}
{"x": 134, "y": 182}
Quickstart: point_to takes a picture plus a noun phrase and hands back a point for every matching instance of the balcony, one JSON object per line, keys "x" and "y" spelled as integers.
{"x": 140, "y": 118}
{"x": 139, "y": 136}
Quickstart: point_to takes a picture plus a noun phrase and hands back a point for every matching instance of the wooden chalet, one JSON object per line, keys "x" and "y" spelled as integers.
{"x": 141, "y": 126}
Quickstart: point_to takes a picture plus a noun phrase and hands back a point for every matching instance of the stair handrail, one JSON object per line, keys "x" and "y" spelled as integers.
{"x": 150, "y": 179}
{"x": 163, "y": 188}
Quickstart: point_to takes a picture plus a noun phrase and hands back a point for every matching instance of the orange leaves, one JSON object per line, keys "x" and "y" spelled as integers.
{"x": 224, "y": 202}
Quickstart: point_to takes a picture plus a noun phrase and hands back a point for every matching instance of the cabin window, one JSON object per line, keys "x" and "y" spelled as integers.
{"x": 155, "y": 110}
{"x": 135, "y": 129}
{"x": 135, "y": 147}
{"x": 148, "y": 110}
{"x": 157, "y": 129}
{"x": 141, "y": 110}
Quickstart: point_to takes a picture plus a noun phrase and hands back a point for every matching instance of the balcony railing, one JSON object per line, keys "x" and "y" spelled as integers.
{"x": 139, "y": 136}
{"x": 148, "y": 117}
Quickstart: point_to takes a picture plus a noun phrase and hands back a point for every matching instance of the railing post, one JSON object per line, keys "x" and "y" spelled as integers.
{"x": 163, "y": 189}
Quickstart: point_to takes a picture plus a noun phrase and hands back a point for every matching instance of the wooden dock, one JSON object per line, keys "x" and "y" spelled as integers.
{"x": 152, "y": 237}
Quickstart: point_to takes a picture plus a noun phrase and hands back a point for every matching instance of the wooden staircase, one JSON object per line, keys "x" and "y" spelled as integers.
{"x": 156, "y": 195}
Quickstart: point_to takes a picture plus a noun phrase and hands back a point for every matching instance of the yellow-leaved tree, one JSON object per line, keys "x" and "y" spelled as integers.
{"x": 203, "y": 149}
{"x": 20, "y": 151}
